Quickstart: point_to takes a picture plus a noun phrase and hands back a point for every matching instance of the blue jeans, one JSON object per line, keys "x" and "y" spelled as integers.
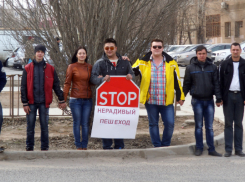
{"x": 204, "y": 109}
{"x": 31, "y": 120}
{"x": 233, "y": 110}
{"x": 1, "y": 117}
{"x": 107, "y": 143}
{"x": 167, "y": 113}
{"x": 81, "y": 110}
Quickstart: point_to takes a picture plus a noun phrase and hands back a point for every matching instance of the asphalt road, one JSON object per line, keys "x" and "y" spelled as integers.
{"x": 176, "y": 168}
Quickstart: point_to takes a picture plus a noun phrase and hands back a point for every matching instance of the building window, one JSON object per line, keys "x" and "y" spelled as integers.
{"x": 228, "y": 29}
{"x": 238, "y": 25}
{"x": 213, "y": 26}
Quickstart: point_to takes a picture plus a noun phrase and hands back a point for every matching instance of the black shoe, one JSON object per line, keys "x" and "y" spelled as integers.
{"x": 1, "y": 149}
{"x": 227, "y": 154}
{"x": 239, "y": 153}
{"x": 44, "y": 149}
{"x": 29, "y": 149}
{"x": 214, "y": 153}
{"x": 198, "y": 152}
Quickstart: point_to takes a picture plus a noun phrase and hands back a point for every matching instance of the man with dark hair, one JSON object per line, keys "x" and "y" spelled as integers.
{"x": 201, "y": 79}
{"x": 232, "y": 85}
{"x": 3, "y": 81}
{"x": 159, "y": 78}
{"x": 39, "y": 79}
{"x": 111, "y": 64}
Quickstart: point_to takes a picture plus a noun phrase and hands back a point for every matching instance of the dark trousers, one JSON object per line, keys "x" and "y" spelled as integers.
{"x": 119, "y": 144}
{"x": 233, "y": 111}
{"x": 31, "y": 120}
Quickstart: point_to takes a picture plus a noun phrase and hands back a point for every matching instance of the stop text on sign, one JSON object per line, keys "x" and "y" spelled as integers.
{"x": 116, "y": 98}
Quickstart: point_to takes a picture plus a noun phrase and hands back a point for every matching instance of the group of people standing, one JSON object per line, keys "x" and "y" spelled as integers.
{"x": 160, "y": 82}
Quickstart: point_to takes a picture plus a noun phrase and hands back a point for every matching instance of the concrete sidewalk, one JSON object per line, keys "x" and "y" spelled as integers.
{"x": 188, "y": 149}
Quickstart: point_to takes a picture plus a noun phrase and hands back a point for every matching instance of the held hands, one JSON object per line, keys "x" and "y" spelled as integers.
{"x": 219, "y": 104}
{"x": 27, "y": 109}
{"x": 62, "y": 106}
{"x": 180, "y": 102}
{"x": 129, "y": 77}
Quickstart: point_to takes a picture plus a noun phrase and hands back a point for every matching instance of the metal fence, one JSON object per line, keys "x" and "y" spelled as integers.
{"x": 12, "y": 84}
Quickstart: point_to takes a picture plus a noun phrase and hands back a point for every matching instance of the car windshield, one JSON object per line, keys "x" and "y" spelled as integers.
{"x": 190, "y": 48}
{"x": 180, "y": 48}
{"x": 172, "y": 48}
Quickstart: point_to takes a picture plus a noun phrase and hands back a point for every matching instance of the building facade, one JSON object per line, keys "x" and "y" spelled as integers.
{"x": 225, "y": 21}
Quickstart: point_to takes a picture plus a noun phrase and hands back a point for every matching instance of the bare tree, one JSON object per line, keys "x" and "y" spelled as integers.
{"x": 133, "y": 23}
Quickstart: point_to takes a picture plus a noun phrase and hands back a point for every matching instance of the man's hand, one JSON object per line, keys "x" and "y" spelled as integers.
{"x": 219, "y": 104}
{"x": 125, "y": 58}
{"x": 62, "y": 106}
{"x": 129, "y": 77}
{"x": 181, "y": 102}
{"x": 107, "y": 78}
{"x": 27, "y": 109}
{"x": 100, "y": 76}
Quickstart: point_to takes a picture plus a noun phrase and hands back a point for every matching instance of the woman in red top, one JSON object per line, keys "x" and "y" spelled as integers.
{"x": 78, "y": 74}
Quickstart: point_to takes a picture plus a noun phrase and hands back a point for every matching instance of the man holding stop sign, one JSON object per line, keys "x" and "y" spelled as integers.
{"x": 159, "y": 78}
{"x": 111, "y": 64}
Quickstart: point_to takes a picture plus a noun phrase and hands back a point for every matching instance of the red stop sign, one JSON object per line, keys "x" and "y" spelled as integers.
{"x": 118, "y": 92}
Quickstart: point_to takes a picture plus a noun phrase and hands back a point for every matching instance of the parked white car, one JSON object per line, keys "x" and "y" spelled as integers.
{"x": 217, "y": 56}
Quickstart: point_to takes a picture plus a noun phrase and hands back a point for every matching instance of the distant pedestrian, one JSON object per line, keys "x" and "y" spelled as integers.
{"x": 201, "y": 80}
{"x": 232, "y": 84}
{"x": 78, "y": 75}
{"x": 39, "y": 79}
{"x": 159, "y": 78}
{"x": 3, "y": 81}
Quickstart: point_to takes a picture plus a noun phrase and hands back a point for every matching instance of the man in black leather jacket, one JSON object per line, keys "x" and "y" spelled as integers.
{"x": 201, "y": 79}
{"x": 232, "y": 84}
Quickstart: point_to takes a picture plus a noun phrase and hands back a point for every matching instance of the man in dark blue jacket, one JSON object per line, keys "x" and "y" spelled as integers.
{"x": 3, "y": 82}
{"x": 201, "y": 79}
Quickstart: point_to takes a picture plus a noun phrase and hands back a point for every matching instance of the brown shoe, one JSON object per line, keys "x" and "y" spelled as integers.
{"x": 79, "y": 148}
{"x": 84, "y": 148}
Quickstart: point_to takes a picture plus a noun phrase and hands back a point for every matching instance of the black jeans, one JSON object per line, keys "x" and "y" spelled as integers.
{"x": 233, "y": 111}
{"x": 31, "y": 120}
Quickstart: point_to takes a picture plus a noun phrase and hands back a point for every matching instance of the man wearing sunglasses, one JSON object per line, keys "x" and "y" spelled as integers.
{"x": 159, "y": 78}
{"x": 111, "y": 64}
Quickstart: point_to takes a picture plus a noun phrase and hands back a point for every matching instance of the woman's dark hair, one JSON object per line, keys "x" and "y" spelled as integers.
{"x": 74, "y": 57}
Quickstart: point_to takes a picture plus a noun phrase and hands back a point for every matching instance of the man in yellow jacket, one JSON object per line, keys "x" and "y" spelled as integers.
{"x": 159, "y": 78}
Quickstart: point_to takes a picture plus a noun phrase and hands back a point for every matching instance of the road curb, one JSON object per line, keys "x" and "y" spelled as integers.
{"x": 149, "y": 153}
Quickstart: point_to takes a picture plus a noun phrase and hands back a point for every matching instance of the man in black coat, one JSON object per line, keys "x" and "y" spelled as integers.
{"x": 232, "y": 85}
{"x": 201, "y": 79}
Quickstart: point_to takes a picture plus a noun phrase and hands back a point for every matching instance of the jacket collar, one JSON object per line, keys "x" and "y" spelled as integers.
{"x": 34, "y": 62}
{"x": 241, "y": 61}
{"x": 208, "y": 60}
{"x": 148, "y": 56}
